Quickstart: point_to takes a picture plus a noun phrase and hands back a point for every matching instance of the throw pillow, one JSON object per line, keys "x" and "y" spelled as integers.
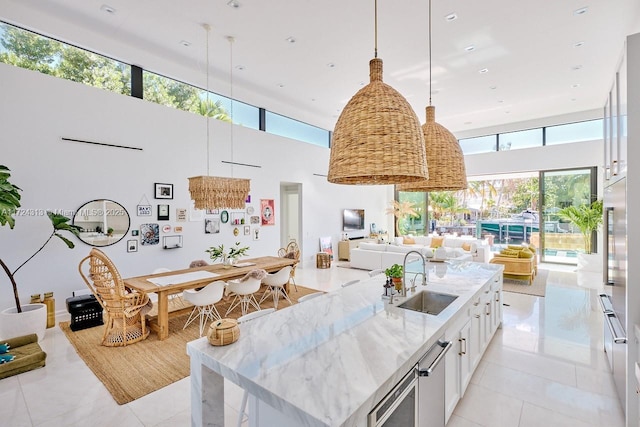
{"x": 525, "y": 254}
{"x": 4, "y": 358}
{"x": 515, "y": 247}
{"x": 436, "y": 242}
{"x": 509, "y": 252}
{"x": 4, "y": 348}
{"x": 466, "y": 246}
{"x": 507, "y": 255}
{"x": 408, "y": 241}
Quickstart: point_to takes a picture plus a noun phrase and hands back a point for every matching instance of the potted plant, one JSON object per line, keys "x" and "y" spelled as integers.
{"x": 230, "y": 256}
{"x": 14, "y": 320}
{"x": 395, "y": 273}
{"x": 587, "y": 218}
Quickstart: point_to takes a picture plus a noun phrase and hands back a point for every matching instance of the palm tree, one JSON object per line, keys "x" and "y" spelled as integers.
{"x": 401, "y": 210}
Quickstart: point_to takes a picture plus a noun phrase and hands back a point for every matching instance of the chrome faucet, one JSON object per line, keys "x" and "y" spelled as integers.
{"x": 403, "y": 292}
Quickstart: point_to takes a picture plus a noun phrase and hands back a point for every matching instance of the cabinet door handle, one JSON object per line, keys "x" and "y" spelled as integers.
{"x": 497, "y": 296}
{"x": 488, "y": 309}
{"x": 463, "y": 340}
{"x": 477, "y": 316}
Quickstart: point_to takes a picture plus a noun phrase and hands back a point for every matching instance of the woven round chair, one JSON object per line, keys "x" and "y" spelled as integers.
{"x": 125, "y": 309}
{"x": 292, "y": 251}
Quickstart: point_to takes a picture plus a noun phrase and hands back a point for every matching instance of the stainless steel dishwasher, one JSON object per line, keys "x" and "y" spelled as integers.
{"x": 431, "y": 405}
{"x": 418, "y": 399}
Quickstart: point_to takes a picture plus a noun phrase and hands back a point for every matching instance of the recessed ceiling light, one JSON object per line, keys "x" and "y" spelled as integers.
{"x": 573, "y": 99}
{"x": 507, "y": 112}
{"x": 239, "y": 67}
{"x": 576, "y": 67}
{"x": 579, "y": 44}
{"x": 580, "y": 11}
{"x": 575, "y": 85}
{"x": 331, "y": 65}
{"x": 493, "y": 87}
{"x": 185, "y": 43}
{"x": 290, "y": 39}
{"x": 233, "y": 3}
{"x": 108, "y": 9}
{"x": 484, "y": 70}
{"x": 435, "y": 92}
{"x": 467, "y": 123}
{"x": 361, "y": 83}
{"x": 313, "y": 100}
{"x": 451, "y": 17}
{"x": 500, "y": 101}
{"x": 280, "y": 85}
{"x": 470, "y": 48}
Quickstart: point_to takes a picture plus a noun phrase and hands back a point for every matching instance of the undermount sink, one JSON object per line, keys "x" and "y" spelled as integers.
{"x": 428, "y": 302}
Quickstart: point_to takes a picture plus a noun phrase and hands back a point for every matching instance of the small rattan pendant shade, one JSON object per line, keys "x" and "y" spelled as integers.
{"x": 377, "y": 138}
{"x": 214, "y": 192}
{"x": 445, "y": 159}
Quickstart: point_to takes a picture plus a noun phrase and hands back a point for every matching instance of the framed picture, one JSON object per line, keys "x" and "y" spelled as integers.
{"x": 267, "y": 212}
{"x": 149, "y": 234}
{"x": 211, "y": 226}
{"x": 325, "y": 245}
{"x": 144, "y": 210}
{"x": 256, "y": 233}
{"x": 181, "y": 214}
{"x": 247, "y": 230}
{"x": 177, "y": 229}
{"x": 213, "y": 211}
{"x": 224, "y": 217}
{"x": 254, "y": 220}
{"x": 135, "y": 232}
{"x": 163, "y": 212}
{"x": 163, "y": 191}
{"x": 132, "y": 246}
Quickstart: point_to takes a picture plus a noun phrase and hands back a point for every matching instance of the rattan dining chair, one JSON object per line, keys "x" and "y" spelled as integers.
{"x": 292, "y": 251}
{"x": 125, "y": 308}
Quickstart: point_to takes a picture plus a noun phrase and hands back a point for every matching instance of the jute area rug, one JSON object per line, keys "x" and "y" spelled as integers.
{"x": 136, "y": 370}
{"x": 538, "y": 287}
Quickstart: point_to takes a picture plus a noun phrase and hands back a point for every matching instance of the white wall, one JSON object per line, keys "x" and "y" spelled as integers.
{"x": 37, "y": 110}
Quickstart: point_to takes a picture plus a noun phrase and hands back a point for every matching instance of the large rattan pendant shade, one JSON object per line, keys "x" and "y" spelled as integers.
{"x": 377, "y": 138}
{"x": 447, "y": 171}
{"x": 214, "y": 192}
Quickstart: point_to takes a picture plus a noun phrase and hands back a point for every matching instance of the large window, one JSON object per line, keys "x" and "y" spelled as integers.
{"x": 284, "y": 126}
{"x": 480, "y": 144}
{"x": 520, "y": 139}
{"x": 574, "y": 132}
{"x": 32, "y": 51}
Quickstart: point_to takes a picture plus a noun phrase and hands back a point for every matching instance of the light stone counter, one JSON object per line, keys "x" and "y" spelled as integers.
{"x": 328, "y": 361}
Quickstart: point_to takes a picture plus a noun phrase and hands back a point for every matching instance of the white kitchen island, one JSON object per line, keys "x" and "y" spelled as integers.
{"x": 330, "y": 360}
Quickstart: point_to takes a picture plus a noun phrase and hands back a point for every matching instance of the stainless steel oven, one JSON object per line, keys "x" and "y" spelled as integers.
{"x": 418, "y": 399}
{"x": 400, "y": 406}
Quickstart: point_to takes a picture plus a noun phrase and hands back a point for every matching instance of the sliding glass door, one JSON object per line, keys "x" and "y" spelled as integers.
{"x": 558, "y": 240}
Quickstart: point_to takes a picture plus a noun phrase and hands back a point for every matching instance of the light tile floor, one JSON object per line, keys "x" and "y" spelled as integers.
{"x": 544, "y": 367}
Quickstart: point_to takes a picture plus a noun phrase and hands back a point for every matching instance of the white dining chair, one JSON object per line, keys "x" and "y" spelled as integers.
{"x": 375, "y": 272}
{"x": 243, "y": 319}
{"x": 349, "y": 283}
{"x": 275, "y": 283}
{"x": 310, "y": 296}
{"x": 204, "y": 301}
{"x": 243, "y": 291}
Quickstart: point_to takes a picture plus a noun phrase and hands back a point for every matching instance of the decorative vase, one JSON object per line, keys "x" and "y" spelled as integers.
{"x": 228, "y": 262}
{"x": 33, "y": 319}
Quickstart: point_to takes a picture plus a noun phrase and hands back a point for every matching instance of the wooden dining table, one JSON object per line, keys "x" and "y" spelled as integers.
{"x": 192, "y": 278}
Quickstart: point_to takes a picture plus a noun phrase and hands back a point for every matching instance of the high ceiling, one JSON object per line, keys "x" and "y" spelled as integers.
{"x": 542, "y": 58}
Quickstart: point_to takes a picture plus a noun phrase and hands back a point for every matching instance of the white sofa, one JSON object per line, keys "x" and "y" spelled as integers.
{"x": 372, "y": 256}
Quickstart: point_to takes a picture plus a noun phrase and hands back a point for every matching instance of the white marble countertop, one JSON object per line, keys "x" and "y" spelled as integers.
{"x": 328, "y": 361}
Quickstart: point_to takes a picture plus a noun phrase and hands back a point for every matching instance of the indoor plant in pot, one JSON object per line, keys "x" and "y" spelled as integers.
{"x": 228, "y": 257}
{"x": 587, "y": 218}
{"x": 22, "y": 320}
{"x": 395, "y": 273}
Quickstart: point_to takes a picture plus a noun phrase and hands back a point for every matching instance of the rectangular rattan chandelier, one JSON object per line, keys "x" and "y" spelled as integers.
{"x": 377, "y": 138}
{"x": 215, "y": 192}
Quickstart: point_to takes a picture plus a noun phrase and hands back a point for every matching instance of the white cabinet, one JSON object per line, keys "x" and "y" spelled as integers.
{"x": 471, "y": 334}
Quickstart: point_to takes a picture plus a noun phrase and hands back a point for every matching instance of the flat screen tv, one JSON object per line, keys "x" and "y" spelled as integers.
{"x": 352, "y": 219}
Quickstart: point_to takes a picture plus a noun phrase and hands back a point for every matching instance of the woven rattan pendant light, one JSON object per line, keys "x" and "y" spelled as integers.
{"x": 444, "y": 155}
{"x": 377, "y": 138}
{"x": 216, "y": 192}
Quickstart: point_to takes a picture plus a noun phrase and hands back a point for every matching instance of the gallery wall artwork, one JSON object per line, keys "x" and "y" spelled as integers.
{"x": 267, "y": 212}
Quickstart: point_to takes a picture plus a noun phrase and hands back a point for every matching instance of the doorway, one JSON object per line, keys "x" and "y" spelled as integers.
{"x": 559, "y": 241}
{"x": 291, "y": 214}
